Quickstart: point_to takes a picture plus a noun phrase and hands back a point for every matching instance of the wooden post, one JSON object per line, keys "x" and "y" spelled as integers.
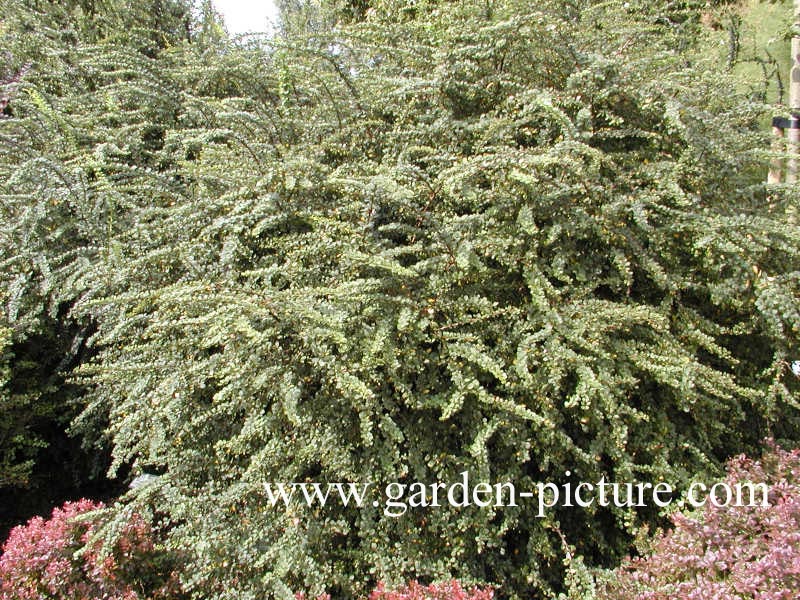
{"x": 792, "y": 147}
{"x": 794, "y": 73}
{"x": 793, "y": 136}
{"x": 776, "y": 164}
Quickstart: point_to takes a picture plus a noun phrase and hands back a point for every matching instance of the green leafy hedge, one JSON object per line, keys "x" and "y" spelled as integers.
{"x": 506, "y": 238}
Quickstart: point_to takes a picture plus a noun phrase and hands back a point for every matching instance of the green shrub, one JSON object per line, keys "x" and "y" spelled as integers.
{"x": 506, "y": 238}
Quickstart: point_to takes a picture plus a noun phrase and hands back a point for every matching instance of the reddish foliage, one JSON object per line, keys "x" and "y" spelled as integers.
{"x": 450, "y": 590}
{"x": 39, "y": 561}
{"x": 727, "y": 553}
{"x": 10, "y": 84}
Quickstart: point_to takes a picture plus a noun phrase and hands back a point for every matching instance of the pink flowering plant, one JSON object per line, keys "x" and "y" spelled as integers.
{"x": 727, "y": 553}
{"x": 56, "y": 559}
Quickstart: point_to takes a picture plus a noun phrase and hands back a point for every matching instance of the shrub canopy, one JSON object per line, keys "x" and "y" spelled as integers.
{"x": 510, "y": 238}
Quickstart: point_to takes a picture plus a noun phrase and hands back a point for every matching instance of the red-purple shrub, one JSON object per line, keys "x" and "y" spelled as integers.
{"x": 449, "y": 590}
{"x": 727, "y": 553}
{"x": 39, "y": 561}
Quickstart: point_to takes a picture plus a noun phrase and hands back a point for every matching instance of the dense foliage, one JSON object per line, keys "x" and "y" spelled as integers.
{"x": 58, "y": 559}
{"x": 402, "y": 241}
{"x": 53, "y": 57}
{"x": 726, "y": 553}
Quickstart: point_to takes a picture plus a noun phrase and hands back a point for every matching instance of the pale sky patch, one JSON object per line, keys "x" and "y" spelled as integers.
{"x": 248, "y": 16}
